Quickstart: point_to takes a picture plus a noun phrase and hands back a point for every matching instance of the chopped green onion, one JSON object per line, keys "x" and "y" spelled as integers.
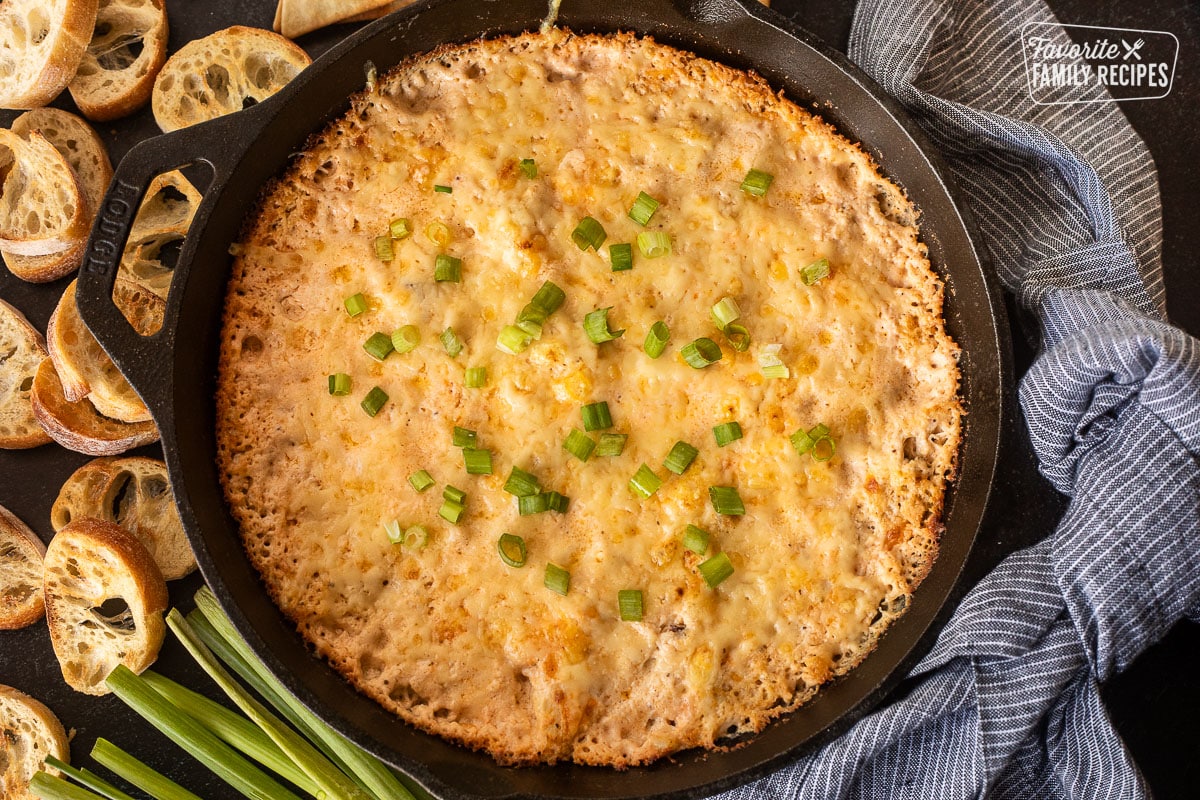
{"x": 530, "y": 323}
{"x": 339, "y": 384}
{"x": 654, "y": 244}
{"x": 596, "y": 416}
{"x": 87, "y": 779}
{"x": 643, "y": 208}
{"x": 611, "y": 444}
{"x": 727, "y": 432}
{"x": 726, "y": 500}
{"x": 815, "y": 272}
{"x": 681, "y": 457}
{"x": 629, "y": 603}
{"x": 512, "y": 550}
{"x": 512, "y": 340}
{"x": 557, "y": 579}
{"x": 394, "y": 533}
{"x": 521, "y": 483}
{"x": 454, "y": 494}
{"x": 400, "y": 228}
{"x": 656, "y": 339}
{"x": 379, "y": 346}
{"x": 477, "y": 462}
{"x": 776, "y": 371}
{"x": 150, "y": 781}
{"x": 819, "y": 430}
{"x": 356, "y": 304}
{"x": 595, "y": 324}
{"x": 528, "y": 167}
{"x": 621, "y": 256}
{"x": 443, "y": 189}
{"x": 801, "y": 441}
{"x": 438, "y": 233}
{"x": 533, "y": 504}
{"x": 644, "y": 482}
{"x": 475, "y": 377}
{"x": 823, "y": 449}
{"x": 757, "y": 182}
{"x": 701, "y": 353}
{"x": 421, "y": 480}
{"x": 447, "y": 268}
{"x": 451, "y": 511}
{"x": 579, "y": 444}
{"x": 375, "y": 400}
{"x": 770, "y": 362}
{"x": 406, "y": 338}
{"x": 716, "y": 570}
{"x": 807, "y": 442}
{"x": 463, "y": 437}
{"x": 738, "y": 336}
{"x": 451, "y": 343}
{"x": 416, "y": 537}
{"x": 695, "y": 539}
{"x": 725, "y": 312}
{"x": 383, "y": 248}
{"x": 549, "y": 297}
{"x": 588, "y": 233}
{"x": 556, "y": 502}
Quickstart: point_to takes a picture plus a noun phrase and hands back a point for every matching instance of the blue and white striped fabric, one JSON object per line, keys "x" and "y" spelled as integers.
{"x": 1006, "y": 704}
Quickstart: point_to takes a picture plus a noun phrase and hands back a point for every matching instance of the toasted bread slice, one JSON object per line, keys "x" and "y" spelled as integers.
{"x": 146, "y": 263}
{"x": 42, "y": 210}
{"x": 22, "y": 348}
{"x": 79, "y": 426}
{"x": 297, "y": 17}
{"x": 128, "y": 48}
{"x": 170, "y": 204}
{"x": 41, "y": 45}
{"x": 88, "y": 158}
{"x": 135, "y": 493}
{"x": 105, "y": 599}
{"x": 223, "y": 73}
{"x": 85, "y": 369}
{"x": 21, "y": 553}
{"x": 28, "y": 733}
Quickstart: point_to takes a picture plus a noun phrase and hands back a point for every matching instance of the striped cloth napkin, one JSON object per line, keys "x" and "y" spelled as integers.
{"x": 1006, "y": 704}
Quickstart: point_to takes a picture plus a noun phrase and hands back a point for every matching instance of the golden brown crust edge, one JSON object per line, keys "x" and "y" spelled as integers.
{"x": 19, "y": 615}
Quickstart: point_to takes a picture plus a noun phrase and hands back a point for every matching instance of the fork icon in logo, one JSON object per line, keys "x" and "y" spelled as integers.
{"x": 1132, "y": 50}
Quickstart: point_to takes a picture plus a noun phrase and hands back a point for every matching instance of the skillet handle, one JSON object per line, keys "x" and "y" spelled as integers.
{"x": 145, "y": 361}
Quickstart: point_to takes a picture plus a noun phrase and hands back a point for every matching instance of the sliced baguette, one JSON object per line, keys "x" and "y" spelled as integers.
{"x": 28, "y": 733}
{"x": 41, "y": 45}
{"x": 105, "y": 599}
{"x": 144, "y": 263}
{"x": 21, "y": 553}
{"x": 22, "y": 348}
{"x": 170, "y": 203}
{"x": 135, "y": 493}
{"x": 88, "y": 158}
{"x": 85, "y": 369}
{"x": 42, "y": 210}
{"x": 128, "y": 48}
{"x": 223, "y": 73}
{"x": 297, "y": 17}
{"x": 78, "y": 426}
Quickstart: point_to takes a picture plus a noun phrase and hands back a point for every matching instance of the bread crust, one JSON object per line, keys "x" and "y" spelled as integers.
{"x": 75, "y": 20}
{"x": 88, "y": 563}
{"x": 78, "y": 426}
{"x": 19, "y": 430}
{"x": 38, "y": 169}
{"x": 29, "y": 732}
{"x": 21, "y": 554}
{"x": 91, "y": 87}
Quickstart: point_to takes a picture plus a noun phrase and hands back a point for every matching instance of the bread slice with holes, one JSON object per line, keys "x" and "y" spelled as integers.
{"x": 170, "y": 204}
{"x": 41, "y": 45}
{"x": 29, "y": 732}
{"x": 223, "y": 73}
{"x": 21, "y": 553}
{"x": 22, "y": 348}
{"x": 79, "y": 426}
{"x": 42, "y": 209}
{"x": 135, "y": 493}
{"x": 83, "y": 366}
{"x": 88, "y": 159}
{"x": 105, "y": 599}
{"x": 128, "y": 48}
{"x": 297, "y": 17}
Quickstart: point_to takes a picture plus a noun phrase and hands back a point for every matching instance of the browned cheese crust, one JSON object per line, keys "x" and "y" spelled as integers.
{"x": 451, "y": 638}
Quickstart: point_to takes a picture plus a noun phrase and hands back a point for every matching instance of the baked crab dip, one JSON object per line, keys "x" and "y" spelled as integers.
{"x": 583, "y": 399}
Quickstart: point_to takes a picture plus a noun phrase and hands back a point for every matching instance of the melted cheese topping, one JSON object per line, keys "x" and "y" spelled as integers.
{"x": 450, "y": 637}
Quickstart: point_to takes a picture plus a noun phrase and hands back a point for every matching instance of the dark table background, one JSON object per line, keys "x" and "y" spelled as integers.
{"x": 1155, "y": 704}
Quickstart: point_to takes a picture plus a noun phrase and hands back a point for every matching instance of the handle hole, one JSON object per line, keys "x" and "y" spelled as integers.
{"x": 155, "y": 241}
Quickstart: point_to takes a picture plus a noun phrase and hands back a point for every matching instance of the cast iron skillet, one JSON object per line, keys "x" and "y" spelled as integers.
{"x": 174, "y": 369}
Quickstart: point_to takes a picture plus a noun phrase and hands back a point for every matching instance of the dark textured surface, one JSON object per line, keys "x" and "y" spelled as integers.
{"x": 1155, "y": 704}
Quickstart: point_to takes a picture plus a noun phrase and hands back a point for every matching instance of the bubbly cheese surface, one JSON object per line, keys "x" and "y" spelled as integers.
{"x": 450, "y": 637}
